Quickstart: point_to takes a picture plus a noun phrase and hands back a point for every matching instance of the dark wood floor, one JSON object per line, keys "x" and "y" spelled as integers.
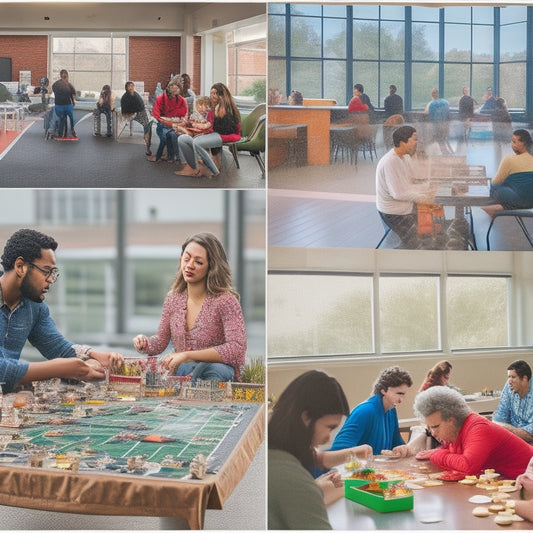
{"x": 321, "y": 222}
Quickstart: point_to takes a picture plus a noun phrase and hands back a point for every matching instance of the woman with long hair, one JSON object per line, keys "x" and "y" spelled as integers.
{"x": 226, "y": 121}
{"x": 105, "y": 105}
{"x": 303, "y": 417}
{"x": 437, "y": 375}
{"x": 201, "y": 316}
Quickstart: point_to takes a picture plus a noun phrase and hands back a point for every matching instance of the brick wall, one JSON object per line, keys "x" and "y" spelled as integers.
{"x": 27, "y": 52}
{"x": 153, "y": 59}
{"x": 197, "y": 65}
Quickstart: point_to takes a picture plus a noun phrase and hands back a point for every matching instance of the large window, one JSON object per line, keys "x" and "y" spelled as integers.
{"x": 92, "y": 62}
{"x": 324, "y": 50}
{"x": 328, "y": 314}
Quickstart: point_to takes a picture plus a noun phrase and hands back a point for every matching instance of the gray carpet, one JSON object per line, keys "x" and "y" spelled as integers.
{"x": 101, "y": 162}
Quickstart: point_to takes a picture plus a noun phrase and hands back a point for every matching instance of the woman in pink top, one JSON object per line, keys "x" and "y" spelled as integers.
{"x": 201, "y": 316}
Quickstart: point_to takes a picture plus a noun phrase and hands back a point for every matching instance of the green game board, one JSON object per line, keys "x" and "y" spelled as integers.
{"x": 115, "y": 431}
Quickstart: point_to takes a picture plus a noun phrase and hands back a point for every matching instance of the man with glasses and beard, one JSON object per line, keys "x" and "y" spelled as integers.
{"x": 29, "y": 266}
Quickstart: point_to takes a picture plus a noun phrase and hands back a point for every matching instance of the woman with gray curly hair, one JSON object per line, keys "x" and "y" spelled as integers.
{"x": 470, "y": 443}
{"x": 375, "y": 421}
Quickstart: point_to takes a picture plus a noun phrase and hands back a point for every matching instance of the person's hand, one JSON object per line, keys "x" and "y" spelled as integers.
{"x": 424, "y": 455}
{"x": 402, "y": 450}
{"x": 140, "y": 343}
{"x": 74, "y": 368}
{"x": 173, "y": 360}
{"x": 111, "y": 360}
{"x": 363, "y": 451}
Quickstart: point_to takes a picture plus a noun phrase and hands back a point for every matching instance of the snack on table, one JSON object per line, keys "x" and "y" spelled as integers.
{"x": 433, "y": 483}
{"x": 496, "y": 507}
{"x": 481, "y": 511}
{"x": 503, "y": 520}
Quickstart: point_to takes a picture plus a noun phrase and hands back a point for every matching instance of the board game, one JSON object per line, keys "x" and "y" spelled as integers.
{"x": 148, "y": 437}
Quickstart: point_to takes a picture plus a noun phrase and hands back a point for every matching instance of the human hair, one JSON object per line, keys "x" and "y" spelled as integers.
{"x": 63, "y": 71}
{"x": 437, "y": 373}
{"x": 500, "y": 103}
{"x": 226, "y": 101}
{"x": 524, "y": 137}
{"x": 521, "y": 368}
{"x": 186, "y": 82}
{"x": 127, "y": 84}
{"x": 105, "y": 93}
{"x": 393, "y": 88}
{"x": 176, "y": 80}
{"x": 202, "y": 100}
{"x": 314, "y": 393}
{"x": 359, "y": 87}
{"x": 297, "y": 98}
{"x": 402, "y": 134}
{"x": 218, "y": 279}
{"x": 445, "y": 400}
{"x": 25, "y": 243}
{"x": 393, "y": 376}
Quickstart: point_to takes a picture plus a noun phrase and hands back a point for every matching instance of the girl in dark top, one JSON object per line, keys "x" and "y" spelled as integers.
{"x": 132, "y": 105}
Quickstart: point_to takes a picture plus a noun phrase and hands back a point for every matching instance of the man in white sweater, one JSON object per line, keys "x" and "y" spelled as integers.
{"x": 399, "y": 188}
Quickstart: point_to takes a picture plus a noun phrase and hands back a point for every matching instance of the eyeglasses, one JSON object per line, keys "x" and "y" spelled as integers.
{"x": 52, "y": 273}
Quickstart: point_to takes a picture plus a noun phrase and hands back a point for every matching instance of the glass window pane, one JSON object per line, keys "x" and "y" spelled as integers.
{"x": 276, "y": 8}
{"x": 334, "y": 38}
{"x": 477, "y": 312}
{"x": 366, "y": 11}
{"x": 408, "y": 310}
{"x": 393, "y": 12}
{"x": 391, "y": 74}
{"x": 482, "y": 43}
{"x": 276, "y": 75}
{"x": 276, "y": 36}
{"x": 119, "y": 45}
{"x": 457, "y": 42}
{"x": 93, "y": 44}
{"x": 513, "y": 41}
{"x": 333, "y": 318}
{"x": 335, "y": 80}
{"x": 306, "y": 76}
{"x": 483, "y": 15}
{"x": 426, "y": 76}
{"x": 457, "y": 14}
{"x": 392, "y": 40}
{"x": 429, "y": 14}
{"x": 510, "y": 14}
{"x": 425, "y": 42}
{"x": 366, "y": 40}
{"x": 305, "y": 37}
{"x": 334, "y": 11}
{"x": 513, "y": 84}
{"x": 482, "y": 77}
{"x": 366, "y": 73}
{"x": 306, "y": 9}
{"x": 456, "y": 76}
{"x": 63, "y": 44}
{"x": 93, "y": 62}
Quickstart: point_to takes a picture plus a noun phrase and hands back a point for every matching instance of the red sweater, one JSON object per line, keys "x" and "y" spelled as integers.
{"x": 481, "y": 444}
{"x": 356, "y": 105}
{"x": 166, "y": 107}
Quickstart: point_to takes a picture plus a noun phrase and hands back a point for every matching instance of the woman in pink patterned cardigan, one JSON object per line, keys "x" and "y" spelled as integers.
{"x": 201, "y": 316}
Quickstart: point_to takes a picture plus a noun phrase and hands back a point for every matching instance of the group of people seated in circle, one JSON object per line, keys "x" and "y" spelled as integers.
{"x": 301, "y": 482}
{"x": 191, "y": 129}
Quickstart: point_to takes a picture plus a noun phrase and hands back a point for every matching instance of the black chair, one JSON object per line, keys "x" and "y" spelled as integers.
{"x": 519, "y": 215}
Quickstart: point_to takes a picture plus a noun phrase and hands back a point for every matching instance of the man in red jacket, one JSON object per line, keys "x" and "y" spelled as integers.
{"x": 470, "y": 443}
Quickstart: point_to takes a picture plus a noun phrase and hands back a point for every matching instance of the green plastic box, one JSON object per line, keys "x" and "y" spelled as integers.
{"x": 353, "y": 492}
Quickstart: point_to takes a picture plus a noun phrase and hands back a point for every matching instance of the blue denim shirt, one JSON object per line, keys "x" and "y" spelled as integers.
{"x": 28, "y": 321}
